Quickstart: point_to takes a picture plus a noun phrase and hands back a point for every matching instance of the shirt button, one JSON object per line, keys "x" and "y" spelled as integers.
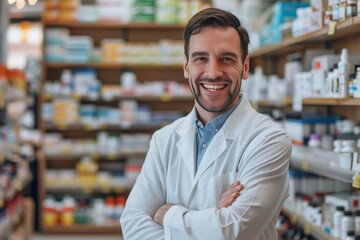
{"x": 204, "y": 145}
{"x": 216, "y": 130}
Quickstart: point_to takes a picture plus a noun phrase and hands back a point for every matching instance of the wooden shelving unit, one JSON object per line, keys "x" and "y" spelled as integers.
{"x": 344, "y": 29}
{"x": 81, "y": 229}
{"x": 105, "y": 65}
{"x": 321, "y": 101}
{"x": 108, "y": 73}
{"x": 322, "y": 163}
{"x": 112, "y": 25}
{"x": 307, "y": 226}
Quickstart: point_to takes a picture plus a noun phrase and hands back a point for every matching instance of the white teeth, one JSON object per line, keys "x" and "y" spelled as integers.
{"x": 214, "y": 87}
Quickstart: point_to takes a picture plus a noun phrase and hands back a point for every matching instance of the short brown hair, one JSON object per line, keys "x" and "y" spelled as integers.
{"x": 214, "y": 17}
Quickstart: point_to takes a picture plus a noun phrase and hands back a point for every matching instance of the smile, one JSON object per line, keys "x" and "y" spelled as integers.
{"x": 213, "y": 87}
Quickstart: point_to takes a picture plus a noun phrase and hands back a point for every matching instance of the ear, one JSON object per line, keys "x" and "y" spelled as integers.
{"x": 246, "y": 68}
{"x": 186, "y": 69}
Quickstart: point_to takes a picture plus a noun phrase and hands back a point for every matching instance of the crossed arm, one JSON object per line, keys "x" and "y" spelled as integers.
{"x": 227, "y": 198}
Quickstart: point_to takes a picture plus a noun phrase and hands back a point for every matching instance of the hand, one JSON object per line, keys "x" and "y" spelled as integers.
{"x": 160, "y": 213}
{"x": 230, "y": 195}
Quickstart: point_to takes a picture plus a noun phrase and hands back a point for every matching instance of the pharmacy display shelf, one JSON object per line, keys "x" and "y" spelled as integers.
{"x": 148, "y": 127}
{"x": 320, "y": 162}
{"x": 85, "y": 228}
{"x": 87, "y": 188}
{"x": 112, "y": 24}
{"x": 332, "y": 101}
{"x": 310, "y": 101}
{"x": 306, "y": 225}
{"x": 115, "y": 66}
{"x": 274, "y": 103}
{"x": 144, "y": 98}
{"x": 346, "y": 28}
{"x": 7, "y": 224}
{"x": 95, "y": 156}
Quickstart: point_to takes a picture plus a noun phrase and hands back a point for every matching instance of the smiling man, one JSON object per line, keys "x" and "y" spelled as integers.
{"x": 221, "y": 171}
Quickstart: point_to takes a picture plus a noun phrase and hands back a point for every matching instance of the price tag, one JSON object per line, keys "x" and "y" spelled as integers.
{"x": 76, "y": 96}
{"x": 356, "y": 180}
{"x": 18, "y": 186}
{"x": 2, "y": 159}
{"x": 165, "y": 97}
{"x": 87, "y": 189}
{"x": 293, "y": 219}
{"x": 62, "y": 126}
{"x": 95, "y": 156}
{"x": 119, "y": 189}
{"x": 111, "y": 157}
{"x": 307, "y": 229}
{"x": 47, "y": 97}
{"x": 105, "y": 188}
{"x": 332, "y": 28}
{"x": 88, "y": 127}
{"x": 1, "y": 203}
{"x": 305, "y": 166}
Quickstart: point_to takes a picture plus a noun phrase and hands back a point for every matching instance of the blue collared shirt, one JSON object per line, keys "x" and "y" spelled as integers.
{"x": 204, "y": 134}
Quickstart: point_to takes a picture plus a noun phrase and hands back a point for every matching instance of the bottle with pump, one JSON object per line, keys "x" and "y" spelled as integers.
{"x": 344, "y": 73}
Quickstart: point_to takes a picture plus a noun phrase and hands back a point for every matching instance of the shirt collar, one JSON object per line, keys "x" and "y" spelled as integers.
{"x": 219, "y": 121}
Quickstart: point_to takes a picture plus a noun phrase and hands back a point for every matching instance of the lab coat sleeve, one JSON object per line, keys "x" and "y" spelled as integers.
{"x": 147, "y": 195}
{"x": 265, "y": 176}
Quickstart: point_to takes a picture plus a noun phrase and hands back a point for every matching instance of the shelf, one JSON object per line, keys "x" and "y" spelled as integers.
{"x": 280, "y": 103}
{"x": 310, "y": 101}
{"x": 164, "y": 98}
{"x": 307, "y": 226}
{"x": 332, "y": 101}
{"x": 83, "y": 229}
{"x": 112, "y": 24}
{"x": 115, "y": 128}
{"x": 346, "y": 28}
{"x": 320, "y": 162}
{"x": 86, "y": 188}
{"x": 107, "y": 157}
{"x": 116, "y": 66}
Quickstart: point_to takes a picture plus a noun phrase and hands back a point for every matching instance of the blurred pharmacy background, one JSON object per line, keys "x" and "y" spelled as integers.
{"x": 85, "y": 83}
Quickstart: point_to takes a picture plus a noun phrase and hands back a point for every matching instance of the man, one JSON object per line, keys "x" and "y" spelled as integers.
{"x": 189, "y": 187}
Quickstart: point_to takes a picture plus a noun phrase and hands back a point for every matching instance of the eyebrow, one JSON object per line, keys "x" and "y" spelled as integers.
{"x": 201, "y": 53}
{"x": 231, "y": 54}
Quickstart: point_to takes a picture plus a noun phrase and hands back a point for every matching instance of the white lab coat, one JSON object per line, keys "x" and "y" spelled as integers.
{"x": 249, "y": 148}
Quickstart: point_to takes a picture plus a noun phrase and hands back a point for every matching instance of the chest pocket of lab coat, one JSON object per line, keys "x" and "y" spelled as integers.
{"x": 219, "y": 184}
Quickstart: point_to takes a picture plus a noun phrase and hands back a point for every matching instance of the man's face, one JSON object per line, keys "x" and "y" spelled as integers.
{"x": 215, "y": 68}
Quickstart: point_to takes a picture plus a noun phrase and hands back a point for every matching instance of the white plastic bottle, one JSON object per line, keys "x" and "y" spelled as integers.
{"x": 350, "y": 235}
{"x": 344, "y": 73}
{"x": 357, "y": 222}
{"x": 291, "y": 68}
{"x": 347, "y": 149}
{"x": 357, "y": 83}
{"x": 347, "y": 224}
{"x": 338, "y": 215}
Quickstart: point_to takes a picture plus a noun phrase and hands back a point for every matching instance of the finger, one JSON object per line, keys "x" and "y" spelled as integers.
{"x": 237, "y": 188}
{"x": 227, "y": 201}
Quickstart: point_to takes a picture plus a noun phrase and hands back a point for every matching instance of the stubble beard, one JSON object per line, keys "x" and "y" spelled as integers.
{"x": 231, "y": 96}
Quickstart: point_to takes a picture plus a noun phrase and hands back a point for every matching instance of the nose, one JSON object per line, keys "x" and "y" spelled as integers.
{"x": 213, "y": 69}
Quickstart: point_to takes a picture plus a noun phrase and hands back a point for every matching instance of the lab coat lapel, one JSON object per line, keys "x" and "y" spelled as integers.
{"x": 220, "y": 141}
{"x": 186, "y": 144}
{"x": 215, "y": 149}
